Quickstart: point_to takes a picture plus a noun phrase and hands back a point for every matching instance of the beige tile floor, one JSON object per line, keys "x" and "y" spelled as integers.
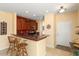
{"x": 57, "y": 52}
{"x": 3, "y": 52}
{"x": 50, "y": 52}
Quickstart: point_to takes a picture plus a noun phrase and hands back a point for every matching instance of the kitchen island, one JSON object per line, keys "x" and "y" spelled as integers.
{"x": 36, "y": 44}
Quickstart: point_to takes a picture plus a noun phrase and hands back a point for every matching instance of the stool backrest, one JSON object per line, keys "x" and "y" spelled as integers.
{"x": 11, "y": 39}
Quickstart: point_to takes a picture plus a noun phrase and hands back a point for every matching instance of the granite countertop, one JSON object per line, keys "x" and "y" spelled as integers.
{"x": 32, "y": 37}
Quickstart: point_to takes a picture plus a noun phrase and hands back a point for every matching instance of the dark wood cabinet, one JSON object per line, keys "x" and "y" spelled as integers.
{"x": 25, "y": 24}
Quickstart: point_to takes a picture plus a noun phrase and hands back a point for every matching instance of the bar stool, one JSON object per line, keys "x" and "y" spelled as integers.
{"x": 11, "y": 46}
{"x": 22, "y": 49}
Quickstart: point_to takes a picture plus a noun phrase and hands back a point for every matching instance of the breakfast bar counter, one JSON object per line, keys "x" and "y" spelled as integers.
{"x": 36, "y": 44}
{"x": 32, "y": 37}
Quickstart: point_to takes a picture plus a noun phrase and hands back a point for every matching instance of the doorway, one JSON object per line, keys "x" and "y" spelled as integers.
{"x": 64, "y": 33}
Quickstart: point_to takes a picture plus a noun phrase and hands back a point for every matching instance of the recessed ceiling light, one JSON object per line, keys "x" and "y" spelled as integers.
{"x": 62, "y": 9}
{"x": 47, "y": 11}
{"x": 34, "y": 14}
{"x": 26, "y": 11}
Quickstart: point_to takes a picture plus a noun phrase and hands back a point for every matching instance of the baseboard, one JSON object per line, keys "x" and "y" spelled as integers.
{"x": 4, "y": 48}
{"x": 49, "y": 46}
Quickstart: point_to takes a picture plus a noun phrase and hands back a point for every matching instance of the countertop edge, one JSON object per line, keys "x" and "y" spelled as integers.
{"x": 44, "y": 36}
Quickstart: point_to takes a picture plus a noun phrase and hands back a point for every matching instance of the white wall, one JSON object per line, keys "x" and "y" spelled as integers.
{"x": 40, "y": 24}
{"x": 50, "y": 19}
{"x": 10, "y": 18}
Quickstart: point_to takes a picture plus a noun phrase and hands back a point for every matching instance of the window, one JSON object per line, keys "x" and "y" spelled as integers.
{"x": 3, "y": 28}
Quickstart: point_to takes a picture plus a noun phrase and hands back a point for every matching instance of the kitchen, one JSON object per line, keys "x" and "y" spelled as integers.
{"x": 38, "y": 27}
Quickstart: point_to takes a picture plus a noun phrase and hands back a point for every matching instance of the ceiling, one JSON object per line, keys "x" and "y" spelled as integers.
{"x": 36, "y": 10}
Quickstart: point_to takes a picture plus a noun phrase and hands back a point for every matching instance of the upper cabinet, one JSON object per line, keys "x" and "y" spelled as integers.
{"x": 25, "y": 24}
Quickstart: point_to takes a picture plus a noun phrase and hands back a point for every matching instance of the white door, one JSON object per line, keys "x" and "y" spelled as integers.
{"x": 63, "y": 33}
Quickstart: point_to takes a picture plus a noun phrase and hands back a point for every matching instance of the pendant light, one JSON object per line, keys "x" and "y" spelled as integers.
{"x": 62, "y": 9}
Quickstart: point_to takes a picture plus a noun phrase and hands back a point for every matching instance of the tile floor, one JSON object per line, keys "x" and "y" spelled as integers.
{"x": 3, "y": 52}
{"x": 50, "y": 52}
{"x": 57, "y": 52}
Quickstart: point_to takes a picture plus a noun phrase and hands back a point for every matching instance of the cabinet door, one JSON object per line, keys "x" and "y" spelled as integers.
{"x": 27, "y": 25}
{"x": 19, "y": 26}
{"x": 33, "y": 24}
{"x": 23, "y": 25}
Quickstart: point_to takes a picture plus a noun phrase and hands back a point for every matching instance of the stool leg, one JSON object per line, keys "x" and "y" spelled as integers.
{"x": 25, "y": 51}
{"x": 18, "y": 52}
{"x": 9, "y": 51}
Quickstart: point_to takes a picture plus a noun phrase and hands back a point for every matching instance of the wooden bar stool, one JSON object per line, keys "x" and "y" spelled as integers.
{"x": 22, "y": 49}
{"x": 13, "y": 45}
